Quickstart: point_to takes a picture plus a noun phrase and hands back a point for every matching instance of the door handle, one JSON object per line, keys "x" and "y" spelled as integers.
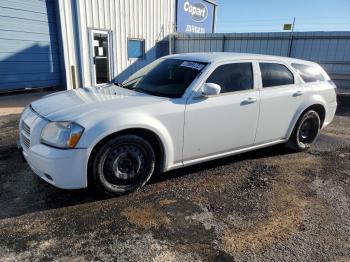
{"x": 298, "y": 93}
{"x": 249, "y": 100}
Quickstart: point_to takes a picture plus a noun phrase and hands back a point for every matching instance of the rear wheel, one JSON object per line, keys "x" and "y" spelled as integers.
{"x": 123, "y": 164}
{"x": 305, "y": 131}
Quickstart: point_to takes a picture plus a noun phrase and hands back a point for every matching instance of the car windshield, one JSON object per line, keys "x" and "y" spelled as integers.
{"x": 165, "y": 77}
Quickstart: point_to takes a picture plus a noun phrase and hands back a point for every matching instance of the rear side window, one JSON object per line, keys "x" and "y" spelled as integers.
{"x": 308, "y": 73}
{"x": 273, "y": 74}
{"x": 233, "y": 77}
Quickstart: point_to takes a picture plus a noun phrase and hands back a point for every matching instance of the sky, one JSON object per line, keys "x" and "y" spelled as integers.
{"x": 270, "y": 15}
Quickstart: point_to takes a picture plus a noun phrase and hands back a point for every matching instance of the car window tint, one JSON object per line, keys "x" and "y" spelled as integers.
{"x": 165, "y": 77}
{"x": 233, "y": 77}
{"x": 273, "y": 74}
{"x": 308, "y": 73}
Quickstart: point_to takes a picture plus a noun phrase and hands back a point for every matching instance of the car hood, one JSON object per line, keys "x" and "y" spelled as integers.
{"x": 75, "y": 104}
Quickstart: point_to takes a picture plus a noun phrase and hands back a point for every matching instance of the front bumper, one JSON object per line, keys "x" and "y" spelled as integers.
{"x": 62, "y": 168}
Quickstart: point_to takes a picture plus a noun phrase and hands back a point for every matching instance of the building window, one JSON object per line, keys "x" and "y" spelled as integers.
{"x": 136, "y": 48}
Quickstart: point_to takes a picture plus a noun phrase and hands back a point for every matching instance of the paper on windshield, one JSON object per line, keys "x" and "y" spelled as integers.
{"x": 193, "y": 65}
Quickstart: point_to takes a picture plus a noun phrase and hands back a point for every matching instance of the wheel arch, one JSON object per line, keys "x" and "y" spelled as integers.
{"x": 149, "y": 135}
{"x": 318, "y": 107}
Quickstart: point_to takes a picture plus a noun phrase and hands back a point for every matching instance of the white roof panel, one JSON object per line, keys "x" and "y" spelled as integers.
{"x": 210, "y": 57}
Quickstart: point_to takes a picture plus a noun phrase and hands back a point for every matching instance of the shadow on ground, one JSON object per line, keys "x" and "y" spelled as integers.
{"x": 21, "y": 191}
{"x": 269, "y": 204}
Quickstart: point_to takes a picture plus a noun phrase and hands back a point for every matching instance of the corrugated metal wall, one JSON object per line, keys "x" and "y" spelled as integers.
{"x": 330, "y": 49}
{"x": 151, "y": 20}
{"x": 28, "y": 44}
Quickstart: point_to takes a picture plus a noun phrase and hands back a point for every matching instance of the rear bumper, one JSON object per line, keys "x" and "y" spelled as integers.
{"x": 64, "y": 169}
{"x": 330, "y": 113}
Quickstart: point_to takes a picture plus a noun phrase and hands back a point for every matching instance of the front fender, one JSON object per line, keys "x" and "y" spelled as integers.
{"x": 314, "y": 99}
{"x": 108, "y": 126}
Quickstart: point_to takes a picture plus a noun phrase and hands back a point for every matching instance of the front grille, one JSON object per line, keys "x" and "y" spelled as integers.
{"x": 25, "y": 128}
{"x": 25, "y": 134}
{"x": 26, "y": 141}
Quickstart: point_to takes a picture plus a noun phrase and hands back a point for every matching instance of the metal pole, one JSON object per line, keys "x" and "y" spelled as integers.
{"x": 223, "y": 43}
{"x": 170, "y": 46}
{"x": 291, "y": 39}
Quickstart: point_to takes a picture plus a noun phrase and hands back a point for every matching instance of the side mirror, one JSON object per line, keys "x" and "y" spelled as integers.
{"x": 210, "y": 89}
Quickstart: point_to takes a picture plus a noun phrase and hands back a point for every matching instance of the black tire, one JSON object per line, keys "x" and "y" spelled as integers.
{"x": 123, "y": 164}
{"x": 305, "y": 131}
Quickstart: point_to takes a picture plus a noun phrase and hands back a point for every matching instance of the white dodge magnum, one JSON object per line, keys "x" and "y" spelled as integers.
{"x": 177, "y": 111}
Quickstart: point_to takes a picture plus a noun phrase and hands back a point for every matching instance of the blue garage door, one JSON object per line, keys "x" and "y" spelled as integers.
{"x": 28, "y": 44}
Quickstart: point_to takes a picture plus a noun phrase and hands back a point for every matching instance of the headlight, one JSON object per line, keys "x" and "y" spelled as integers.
{"x": 61, "y": 134}
{"x": 26, "y": 108}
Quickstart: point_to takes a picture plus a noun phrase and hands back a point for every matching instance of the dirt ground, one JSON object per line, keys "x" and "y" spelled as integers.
{"x": 14, "y": 103}
{"x": 270, "y": 204}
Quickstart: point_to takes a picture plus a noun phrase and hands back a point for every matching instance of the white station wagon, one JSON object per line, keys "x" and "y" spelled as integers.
{"x": 177, "y": 111}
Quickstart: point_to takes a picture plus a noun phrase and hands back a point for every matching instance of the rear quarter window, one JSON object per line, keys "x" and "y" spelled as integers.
{"x": 308, "y": 73}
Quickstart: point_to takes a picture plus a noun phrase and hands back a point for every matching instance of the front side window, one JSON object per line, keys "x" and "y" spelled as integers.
{"x": 233, "y": 77}
{"x": 136, "y": 48}
{"x": 273, "y": 74}
{"x": 308, "y": 73}
{"x": 165, "y": 77}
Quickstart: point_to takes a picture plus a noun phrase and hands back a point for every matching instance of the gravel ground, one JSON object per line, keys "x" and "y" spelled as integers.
{"x": 270, "y": 204}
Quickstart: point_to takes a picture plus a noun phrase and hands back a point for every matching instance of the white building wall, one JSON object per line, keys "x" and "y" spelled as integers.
{"x": 151, "y": 20}
{"x": 68, "y": 43}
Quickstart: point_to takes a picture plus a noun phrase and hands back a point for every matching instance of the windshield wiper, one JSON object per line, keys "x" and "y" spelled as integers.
{"x": 132, "y": 80}
{"x": 119, "y": 84}
{"x": 123, "y": 86}
{"x": 137, "y": 89}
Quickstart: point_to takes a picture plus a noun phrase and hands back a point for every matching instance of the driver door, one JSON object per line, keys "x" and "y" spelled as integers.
{"x": 222, "y": 123}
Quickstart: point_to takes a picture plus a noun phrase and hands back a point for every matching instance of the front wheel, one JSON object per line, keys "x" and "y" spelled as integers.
{"x": 123, "y": 164}
{"x": 305, "y": 131}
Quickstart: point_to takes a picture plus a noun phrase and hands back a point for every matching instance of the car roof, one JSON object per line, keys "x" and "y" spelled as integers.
{"x": 211, "y": 57}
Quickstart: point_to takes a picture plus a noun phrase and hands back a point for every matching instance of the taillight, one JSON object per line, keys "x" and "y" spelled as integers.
{"x": 332, "y": 84}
